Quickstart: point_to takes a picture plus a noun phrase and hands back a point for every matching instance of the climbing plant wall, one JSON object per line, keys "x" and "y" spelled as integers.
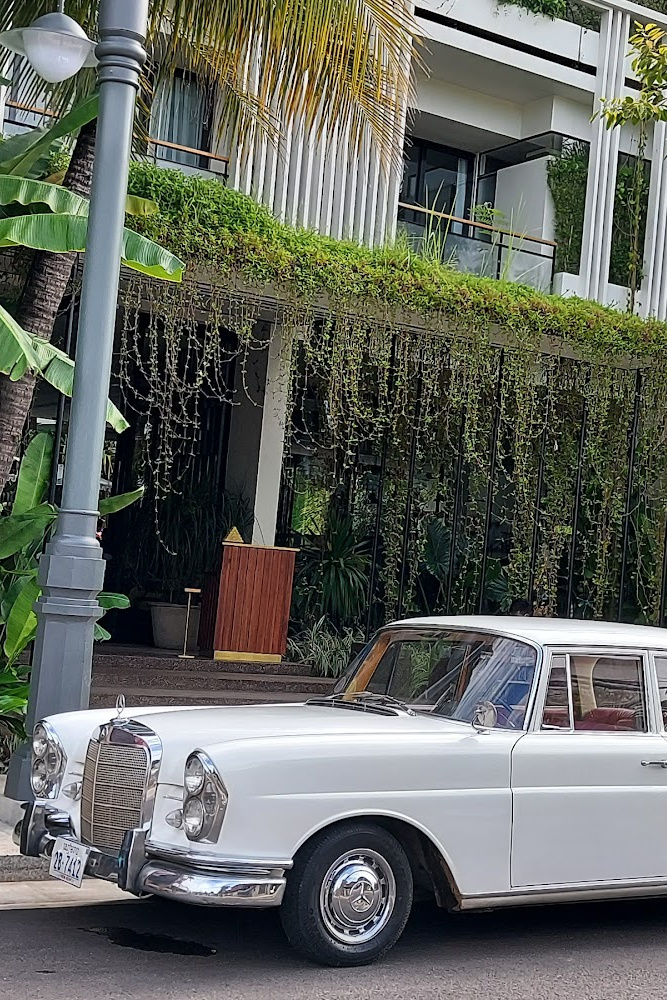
{"x": 462, "y": 441}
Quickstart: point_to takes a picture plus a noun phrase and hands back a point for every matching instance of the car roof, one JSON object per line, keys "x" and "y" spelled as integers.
{"x": 553, "y": 631}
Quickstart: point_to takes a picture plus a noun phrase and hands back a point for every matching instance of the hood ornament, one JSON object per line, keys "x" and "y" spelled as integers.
{"x": 120, "y": 705}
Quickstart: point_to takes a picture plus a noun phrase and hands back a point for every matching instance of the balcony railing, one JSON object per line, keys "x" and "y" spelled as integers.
{"x": 480, "y": 248}
{"x": 203, "y": 154}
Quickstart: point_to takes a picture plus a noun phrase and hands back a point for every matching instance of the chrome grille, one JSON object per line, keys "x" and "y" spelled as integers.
{"x": 115, "y": 777}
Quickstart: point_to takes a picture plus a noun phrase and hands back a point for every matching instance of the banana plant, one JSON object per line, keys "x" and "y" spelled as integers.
{"x": 24, "y": 530}
{"x": 44, "y": 216}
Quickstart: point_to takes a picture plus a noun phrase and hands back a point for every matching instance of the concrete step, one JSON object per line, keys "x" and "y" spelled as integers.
{"x": 105, "y": 697}
{"x": 104, "y": 661}
{"x": 212, "y": 681}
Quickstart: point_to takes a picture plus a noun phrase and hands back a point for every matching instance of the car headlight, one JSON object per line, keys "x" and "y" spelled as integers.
{"x": 195, "y": 776}
{"x": 204, "y": 798}
{"x": 48, "y": 762}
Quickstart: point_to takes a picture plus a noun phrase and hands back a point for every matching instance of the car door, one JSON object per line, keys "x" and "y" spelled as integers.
{"x": 588, "y": 787}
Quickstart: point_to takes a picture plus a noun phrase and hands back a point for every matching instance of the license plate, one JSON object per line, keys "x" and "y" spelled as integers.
{"x": 68, "y": 861}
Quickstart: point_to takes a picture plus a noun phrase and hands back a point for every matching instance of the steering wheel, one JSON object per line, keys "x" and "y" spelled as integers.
{"x": 509, "y": 710}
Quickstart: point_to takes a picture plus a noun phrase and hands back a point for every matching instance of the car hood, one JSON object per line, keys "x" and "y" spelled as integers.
{"x": 183, "y": 730}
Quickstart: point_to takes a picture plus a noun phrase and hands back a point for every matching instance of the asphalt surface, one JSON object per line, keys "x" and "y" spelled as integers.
{"x": 159, "y": 951}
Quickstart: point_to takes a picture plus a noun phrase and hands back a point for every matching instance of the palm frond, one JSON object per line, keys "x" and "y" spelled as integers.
{"x": 316, "y": 62}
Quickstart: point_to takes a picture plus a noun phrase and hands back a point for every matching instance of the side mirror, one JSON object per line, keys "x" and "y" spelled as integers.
{"x": 485, "y": 716}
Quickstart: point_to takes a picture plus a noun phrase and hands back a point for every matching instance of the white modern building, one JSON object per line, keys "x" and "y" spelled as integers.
{"x": 505, "y": 91}
{"x": 506, "y": 94}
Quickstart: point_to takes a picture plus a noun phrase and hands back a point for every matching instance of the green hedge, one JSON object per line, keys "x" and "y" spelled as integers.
{"x": 226, "y": 232}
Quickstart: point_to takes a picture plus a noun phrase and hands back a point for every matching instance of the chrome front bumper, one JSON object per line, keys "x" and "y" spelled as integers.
{"x": 185, "y": 879}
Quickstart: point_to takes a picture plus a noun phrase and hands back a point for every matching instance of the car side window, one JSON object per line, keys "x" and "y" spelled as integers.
{"x": 557, "y": 711}
{"x": 594, "y": 693}
{"x": 661, "y": 670}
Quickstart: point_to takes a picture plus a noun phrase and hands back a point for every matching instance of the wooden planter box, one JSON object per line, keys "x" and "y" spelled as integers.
{"x": 245, "y": 608}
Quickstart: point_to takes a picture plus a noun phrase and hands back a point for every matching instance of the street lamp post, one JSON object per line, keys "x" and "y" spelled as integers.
{"x": 71, "y": 571}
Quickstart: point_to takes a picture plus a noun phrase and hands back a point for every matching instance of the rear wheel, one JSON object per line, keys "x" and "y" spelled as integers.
{"x": 349, "y": 896}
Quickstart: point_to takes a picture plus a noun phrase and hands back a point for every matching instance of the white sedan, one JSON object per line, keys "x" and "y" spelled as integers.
{"x": 488, "y": 762}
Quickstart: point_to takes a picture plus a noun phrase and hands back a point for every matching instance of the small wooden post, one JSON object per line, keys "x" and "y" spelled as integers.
{"x": 185, "y": 655}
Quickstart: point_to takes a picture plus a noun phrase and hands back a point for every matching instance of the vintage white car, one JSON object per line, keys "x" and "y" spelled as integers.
{"x": 488, "y": 762}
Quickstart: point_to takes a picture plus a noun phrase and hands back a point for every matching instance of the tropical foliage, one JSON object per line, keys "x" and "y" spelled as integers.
{"x": 363, "y": 330}
{"x": 24, "y": 531}
{"x": 332, "y": 573}
{"x": 44, "y": 216}
{"x": 267, "y": 70}
{"x": 327, "y": 649}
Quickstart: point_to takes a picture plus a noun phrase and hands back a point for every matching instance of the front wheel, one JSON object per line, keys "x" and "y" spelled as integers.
{"x": 349, "y": 896}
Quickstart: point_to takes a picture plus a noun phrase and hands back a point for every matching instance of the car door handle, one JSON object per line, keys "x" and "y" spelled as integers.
{"x": 654, "y": 763}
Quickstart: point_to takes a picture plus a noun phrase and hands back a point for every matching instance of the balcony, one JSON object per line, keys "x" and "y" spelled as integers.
{"x": 20, "y": 116}
{"x": 474, "y": 247}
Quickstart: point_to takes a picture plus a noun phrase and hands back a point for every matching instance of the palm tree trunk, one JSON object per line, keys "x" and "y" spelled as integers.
{"x": 45, "y": 285}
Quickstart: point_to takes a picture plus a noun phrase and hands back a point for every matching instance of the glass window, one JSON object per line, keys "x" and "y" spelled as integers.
{"x": 453, "y": 673}
{"x": 180, "y": 116}
{"x": 556, "y": 714}
{"x": 661, "y": 669}
{"x": 607, "y": 694}
{"x": 439, "y": 179}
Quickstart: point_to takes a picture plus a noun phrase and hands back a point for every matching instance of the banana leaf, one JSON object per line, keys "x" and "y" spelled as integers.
{"x": 19, "y": 530}
{"x": 134, "y": 205}
{"x": 109, "y": 601}
{"x": 67, "y": 233}
{"x": 111, "y": 505}
{"x": 22, "y": 621}
{"x": 34, "y": 473}
{"x": 20, "y": 152}
{"x": 26, "y": 192}
{"x": 57, "y": 369}
{"x": 16, "y": 350}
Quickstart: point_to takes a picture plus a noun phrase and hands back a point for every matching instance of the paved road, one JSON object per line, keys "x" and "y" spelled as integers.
{"x": 159, "y": 951}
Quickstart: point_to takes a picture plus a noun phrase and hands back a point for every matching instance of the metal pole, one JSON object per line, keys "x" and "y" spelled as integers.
{"x": 411, "y": 482}
{"x": 663, "y": 587}
{"x": 575, "y": 513}
{"x": 380, "y": 500}
{"x": 492, "y": 480}
{"x": 536, "y": 526}
{"x": 62, "y": 400}
{"x": 71, "y": 571}
{"x": 628, "y": 492}
{"x": 455, "y": 516}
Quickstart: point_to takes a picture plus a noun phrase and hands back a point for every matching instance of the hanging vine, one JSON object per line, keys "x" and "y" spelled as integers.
{"x": 393, "y": 356}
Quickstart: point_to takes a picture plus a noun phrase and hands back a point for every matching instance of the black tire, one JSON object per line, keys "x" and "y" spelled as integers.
{"x": 309, "y": 911}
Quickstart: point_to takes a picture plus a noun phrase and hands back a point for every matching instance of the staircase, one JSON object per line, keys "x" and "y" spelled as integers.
{"x": 154, "y": 677}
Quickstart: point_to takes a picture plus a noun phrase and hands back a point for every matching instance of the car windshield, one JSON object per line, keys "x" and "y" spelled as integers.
{"x": 449, "y": 673}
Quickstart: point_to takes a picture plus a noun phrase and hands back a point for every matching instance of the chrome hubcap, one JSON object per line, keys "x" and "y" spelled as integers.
{"x": 357, "y": 896}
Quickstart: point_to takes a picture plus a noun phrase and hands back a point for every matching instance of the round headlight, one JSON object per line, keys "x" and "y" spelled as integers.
{"x": 195, "y": 775}
{"x": 39, "y": 778}
{"x": 193, "y": 818}
{"x": 210, "y": 799}
{"x": 40, "y": 741}
{"x": 53, "y": 760}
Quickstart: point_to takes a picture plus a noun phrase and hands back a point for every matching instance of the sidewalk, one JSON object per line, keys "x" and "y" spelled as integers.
{"x": 37, "y": 895}
{"x": 25, "y": 883}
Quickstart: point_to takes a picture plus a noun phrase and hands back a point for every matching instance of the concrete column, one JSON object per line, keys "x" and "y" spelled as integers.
{"x": 245, "y": 424}
{"x": 274, "y": 422}
{"x": 603, "y": 163}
